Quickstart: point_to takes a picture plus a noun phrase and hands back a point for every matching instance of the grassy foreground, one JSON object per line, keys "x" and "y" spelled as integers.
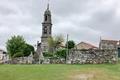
{"x": 60, "y": 72}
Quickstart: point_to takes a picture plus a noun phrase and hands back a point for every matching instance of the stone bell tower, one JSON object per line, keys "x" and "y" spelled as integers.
{"x": 46, "y": 29}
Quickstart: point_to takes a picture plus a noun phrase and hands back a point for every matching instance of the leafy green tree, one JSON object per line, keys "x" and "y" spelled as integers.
{"x": 28, "y": 50}
{"x": 70, "y": 44}
{"x": 61, "y": 53}
{"x": 15, "y": 46}
{"x": 47, "y": 54}
{"x": 18, "y": 54}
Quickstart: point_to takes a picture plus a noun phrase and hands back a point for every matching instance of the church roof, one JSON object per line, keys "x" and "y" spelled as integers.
{"x": 115, "y": 42}
{"x": 84, "y": 45}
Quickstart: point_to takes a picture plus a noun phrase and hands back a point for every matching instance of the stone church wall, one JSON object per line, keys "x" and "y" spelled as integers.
{"x": 92, "y": 56}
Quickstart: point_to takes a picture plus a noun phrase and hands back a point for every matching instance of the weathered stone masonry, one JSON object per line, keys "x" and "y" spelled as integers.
{"x": 92, "y": 56}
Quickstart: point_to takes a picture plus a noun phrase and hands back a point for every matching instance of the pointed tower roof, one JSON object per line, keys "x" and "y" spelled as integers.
{"x": 48, "y": 6}
{"x": 48, "y": 9}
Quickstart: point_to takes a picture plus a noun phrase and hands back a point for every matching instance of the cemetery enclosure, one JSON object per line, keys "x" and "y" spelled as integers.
{"x": 92, "y": 56}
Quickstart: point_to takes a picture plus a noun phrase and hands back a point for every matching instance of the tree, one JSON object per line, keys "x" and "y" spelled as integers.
{"x": 70, "y": 44}
{"x": 59, "y": 41}
{"x": 15, "y": 46}
{"x": 55, "y": 43}
{"x": 61, "y": 53}
{"x": 28, "y": 50}
{"x": 51, "y": 43}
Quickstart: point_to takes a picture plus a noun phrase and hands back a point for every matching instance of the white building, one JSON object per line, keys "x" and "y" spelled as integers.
{"x": 4, "y": 58}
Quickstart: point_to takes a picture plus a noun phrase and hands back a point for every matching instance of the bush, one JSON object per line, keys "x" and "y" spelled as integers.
{"x": 47, "y": 54}
{"x": 61, "y": 53}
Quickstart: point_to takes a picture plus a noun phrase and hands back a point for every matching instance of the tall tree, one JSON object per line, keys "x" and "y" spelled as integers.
{"x": 70, "y": 44}
{"x": 55, "y": 42}
{"x": 15, "y": 46}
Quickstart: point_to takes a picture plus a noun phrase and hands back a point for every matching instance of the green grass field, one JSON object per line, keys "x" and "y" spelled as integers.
{"x": 60, "y": 72}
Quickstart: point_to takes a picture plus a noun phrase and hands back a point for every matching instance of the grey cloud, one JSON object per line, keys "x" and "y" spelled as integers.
{"x": 83, "y": 20}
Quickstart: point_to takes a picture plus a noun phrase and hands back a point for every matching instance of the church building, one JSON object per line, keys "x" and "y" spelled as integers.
{"x": 46, "y": 32}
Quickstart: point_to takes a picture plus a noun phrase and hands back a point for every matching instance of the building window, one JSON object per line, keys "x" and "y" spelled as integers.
{"x": 45, "y": 30}
{"x": 45, "y": 18}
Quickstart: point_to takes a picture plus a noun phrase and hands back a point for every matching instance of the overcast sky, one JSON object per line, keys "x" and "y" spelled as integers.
{"x": 83, "y": 20}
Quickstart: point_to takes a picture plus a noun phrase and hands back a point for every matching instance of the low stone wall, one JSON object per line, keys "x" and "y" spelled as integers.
{"x": 21, "y": 60}
{"x": 92, "y": 56}
{"x": 54, "y": 61}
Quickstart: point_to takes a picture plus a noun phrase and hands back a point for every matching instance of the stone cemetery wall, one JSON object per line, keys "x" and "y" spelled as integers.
{"x": 22, "y": 60}
{"x": 92, "y": 56}
{"x": 54, "y": 61}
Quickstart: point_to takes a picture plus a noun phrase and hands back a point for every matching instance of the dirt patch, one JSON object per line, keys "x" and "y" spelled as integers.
{"x": 83, "y": 77}
{"x": 88, "y": 74}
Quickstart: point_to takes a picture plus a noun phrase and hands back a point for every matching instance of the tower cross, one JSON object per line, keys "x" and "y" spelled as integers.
{"x": 48, "y": 4}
